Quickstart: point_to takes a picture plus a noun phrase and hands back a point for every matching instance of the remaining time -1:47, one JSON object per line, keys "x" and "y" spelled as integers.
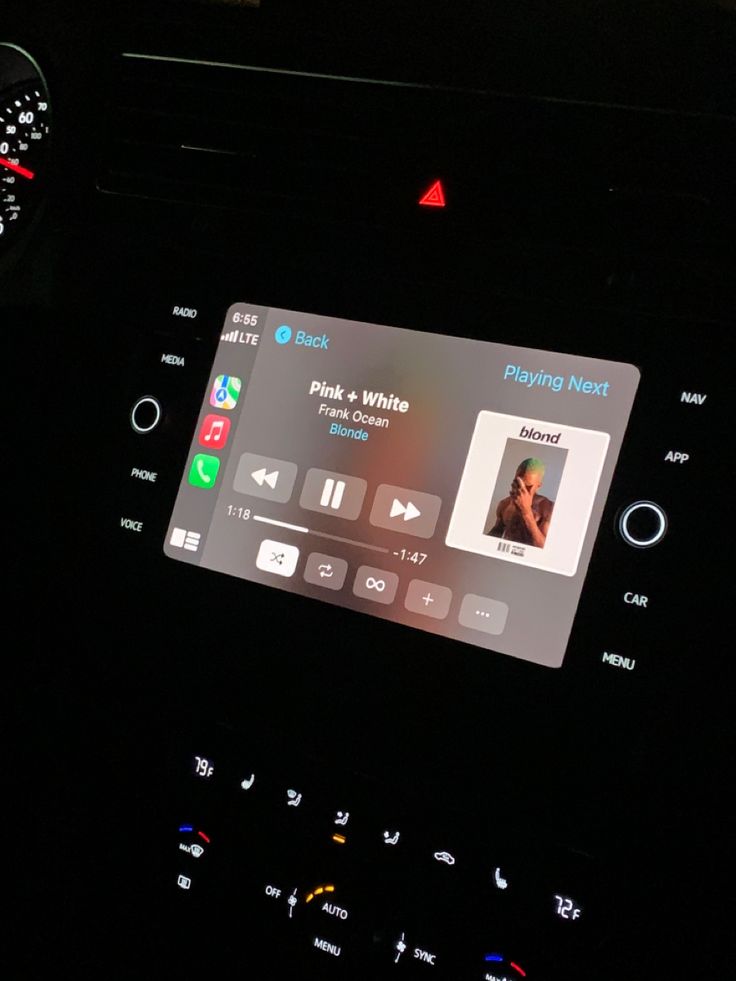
{"x": 418, "y": 558}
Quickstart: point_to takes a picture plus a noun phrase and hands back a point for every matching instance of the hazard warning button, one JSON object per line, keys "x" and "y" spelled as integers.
{"x": 434, "y": 196}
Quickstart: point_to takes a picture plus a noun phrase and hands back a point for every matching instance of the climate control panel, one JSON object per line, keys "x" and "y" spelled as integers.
{"x": 335, "y": 872}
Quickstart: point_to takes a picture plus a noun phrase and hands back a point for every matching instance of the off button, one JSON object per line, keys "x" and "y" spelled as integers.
{"x": 146, "y": 414}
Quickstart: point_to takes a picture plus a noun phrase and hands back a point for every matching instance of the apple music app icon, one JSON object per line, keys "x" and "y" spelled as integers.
{"x": 214, "y": 431}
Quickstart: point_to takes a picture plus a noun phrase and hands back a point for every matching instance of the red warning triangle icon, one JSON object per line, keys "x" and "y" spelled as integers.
{"x": 434, "y": 197}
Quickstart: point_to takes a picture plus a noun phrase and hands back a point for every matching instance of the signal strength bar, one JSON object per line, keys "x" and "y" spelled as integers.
{"x": 233, "y": 336}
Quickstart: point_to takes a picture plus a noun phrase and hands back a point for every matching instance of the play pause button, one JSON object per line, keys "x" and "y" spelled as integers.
{"x": 411, "y": 512}
{"x": 262, "y": 476}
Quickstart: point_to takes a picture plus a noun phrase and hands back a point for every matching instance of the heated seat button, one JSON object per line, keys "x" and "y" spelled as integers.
{"x": 642, "y": 524}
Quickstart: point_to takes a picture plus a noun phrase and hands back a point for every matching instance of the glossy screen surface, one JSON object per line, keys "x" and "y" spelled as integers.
{"x": 447, "y": 484}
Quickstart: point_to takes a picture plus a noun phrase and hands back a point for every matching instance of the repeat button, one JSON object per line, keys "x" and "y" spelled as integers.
{"x": 375, "y": 584}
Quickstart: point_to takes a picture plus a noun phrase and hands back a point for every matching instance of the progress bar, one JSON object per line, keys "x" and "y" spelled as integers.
{"x": 319, "y": 534}
{"x": 280, "y": 524}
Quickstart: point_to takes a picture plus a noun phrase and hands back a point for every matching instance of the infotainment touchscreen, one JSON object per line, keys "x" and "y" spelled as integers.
{"x": 451, "y": 485}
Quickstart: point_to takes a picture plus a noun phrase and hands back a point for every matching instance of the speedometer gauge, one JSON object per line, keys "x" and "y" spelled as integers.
{"x": 24, "y": 132}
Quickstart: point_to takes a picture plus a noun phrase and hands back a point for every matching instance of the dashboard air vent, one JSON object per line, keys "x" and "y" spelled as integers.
{"x": 232, "y": 135}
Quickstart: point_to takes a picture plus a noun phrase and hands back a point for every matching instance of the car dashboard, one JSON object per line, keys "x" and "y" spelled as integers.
{"x": 370, "y": 368}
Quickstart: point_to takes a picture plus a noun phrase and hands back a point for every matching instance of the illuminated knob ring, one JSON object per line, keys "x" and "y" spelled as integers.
{"x": 638, "y": 542}
{"x": 145, "y": 414}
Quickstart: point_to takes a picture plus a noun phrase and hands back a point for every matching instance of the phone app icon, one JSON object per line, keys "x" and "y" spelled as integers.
{"x": 203, "y": 471}
{"x": 225, "y": 392}
{"x": 214, "y": 432}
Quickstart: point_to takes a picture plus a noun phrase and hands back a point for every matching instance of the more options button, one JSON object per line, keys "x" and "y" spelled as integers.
{"x": 483, "y": 613}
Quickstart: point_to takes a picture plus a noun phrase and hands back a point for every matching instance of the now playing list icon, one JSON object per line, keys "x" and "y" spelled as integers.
{"x": 188, "y": 540}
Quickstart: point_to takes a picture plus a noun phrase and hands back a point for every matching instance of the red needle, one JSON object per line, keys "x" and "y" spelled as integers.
{"x": 23, "y": 171}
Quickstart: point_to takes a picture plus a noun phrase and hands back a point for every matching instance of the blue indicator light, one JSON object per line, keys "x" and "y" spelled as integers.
{"x": 494, "y": 957}
{"x": 186, "y": 827}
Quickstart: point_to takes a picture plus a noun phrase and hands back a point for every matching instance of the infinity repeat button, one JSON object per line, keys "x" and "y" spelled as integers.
{"x": 642, "y": 524}
{"x": 375, "y": 584}
{"x": 145, "y": 414}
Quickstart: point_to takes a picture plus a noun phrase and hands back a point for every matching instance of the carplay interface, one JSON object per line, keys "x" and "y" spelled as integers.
{"x": 448, "y": 484}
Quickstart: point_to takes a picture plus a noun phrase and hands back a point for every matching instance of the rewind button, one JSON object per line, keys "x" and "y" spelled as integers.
{"x": 262, "y": 476}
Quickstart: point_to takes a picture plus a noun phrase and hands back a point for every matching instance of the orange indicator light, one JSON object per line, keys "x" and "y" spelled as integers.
{"x": 318, "y": 892}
